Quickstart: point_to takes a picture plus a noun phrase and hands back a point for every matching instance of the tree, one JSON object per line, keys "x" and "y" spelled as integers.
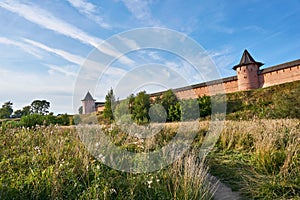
{"x": 204, "y": 105}
{"x": 109, "y": 105}
{"x": 122, "y": 111}
{"x": 40, "y": 106}
{"x": 6, "y": 110}
{"x": 175, "y": 112}
{"x": 157, "y": 113}
{"x": 19, "y": 113}
{"x": 26, "y": 110}
{"x": 141, "y": 105}
{"x": 168, "y": 100}
{"x": 189, "y": 109}
{"x": 80, "y": 110}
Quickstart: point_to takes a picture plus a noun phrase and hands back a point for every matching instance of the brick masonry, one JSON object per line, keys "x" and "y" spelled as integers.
{"x": 248, "y": 77}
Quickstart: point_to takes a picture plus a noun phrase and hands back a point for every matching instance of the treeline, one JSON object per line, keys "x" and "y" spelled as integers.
{"x": 164, "y": 108}
{"x": 37, "y": 113}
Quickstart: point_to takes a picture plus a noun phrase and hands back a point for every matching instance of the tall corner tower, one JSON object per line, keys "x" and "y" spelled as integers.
{"x": 247, "y": 72}
{"x": 88, "y": 104}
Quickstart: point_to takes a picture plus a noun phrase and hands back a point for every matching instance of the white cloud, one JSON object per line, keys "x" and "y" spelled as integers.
{"x": 46, "y": 20}
{"x": 89, "y": 10}
{"x": 141, "y": 11}
{"x": 27, "y": 48}
{"x": 67, "y": 70}
{"x": 66, "y": 55}
{"x": 54, "y": 87}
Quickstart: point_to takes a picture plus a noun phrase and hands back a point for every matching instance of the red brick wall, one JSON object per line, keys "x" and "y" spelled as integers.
{"x": 276, "y": 77}
{"x": 227, "y": 86}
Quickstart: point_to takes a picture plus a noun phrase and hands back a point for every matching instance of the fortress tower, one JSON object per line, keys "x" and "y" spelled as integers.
{"x": 247, "y": 72}
{"x": 88, "y": 104}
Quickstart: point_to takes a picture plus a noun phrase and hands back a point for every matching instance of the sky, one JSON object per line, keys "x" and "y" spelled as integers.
{"x": 45, "y": 46}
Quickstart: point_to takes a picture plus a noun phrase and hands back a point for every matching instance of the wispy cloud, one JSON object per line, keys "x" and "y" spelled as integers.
{"x": 25, "y": 47}
{"x": 66, "y": 55}
{"x": 67, "y": 70}
{"x": 46, "y": 20}
{"x": 140, "y": 10}
{"x": 90, "y": 11}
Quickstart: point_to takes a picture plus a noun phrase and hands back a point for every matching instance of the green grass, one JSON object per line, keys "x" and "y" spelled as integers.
{"x": 259, "y": 158}
{"x": 275, "y": 102}
{"x": 52, "y": 163}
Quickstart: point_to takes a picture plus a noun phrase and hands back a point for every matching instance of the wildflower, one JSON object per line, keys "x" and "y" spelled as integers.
{"x": 38, "y": 149}
{"x": 149, "y": 183}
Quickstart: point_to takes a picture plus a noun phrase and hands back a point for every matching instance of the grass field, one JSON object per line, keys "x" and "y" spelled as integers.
{"x": 259, "y": 158}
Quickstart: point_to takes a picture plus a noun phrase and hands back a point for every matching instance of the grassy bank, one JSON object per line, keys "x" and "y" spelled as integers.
{"x": 259, "y": 158}
{"x": 52, "y": 163}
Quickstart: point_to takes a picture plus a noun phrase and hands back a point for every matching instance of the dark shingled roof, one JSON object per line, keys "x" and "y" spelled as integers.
{"x": 88, "y": 97}
{"x": 246, "y": 60}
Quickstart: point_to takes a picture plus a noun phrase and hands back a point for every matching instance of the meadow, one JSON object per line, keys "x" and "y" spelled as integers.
{"x": 258, "y": 158}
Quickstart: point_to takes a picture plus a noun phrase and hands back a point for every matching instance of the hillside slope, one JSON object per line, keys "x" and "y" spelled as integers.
{"x": 280, "y": 101}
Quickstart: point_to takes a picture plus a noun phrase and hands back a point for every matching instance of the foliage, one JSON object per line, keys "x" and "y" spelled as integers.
{"x": 109, "y": 105}
{"x": 175, "y": 112}
{"x": 80, "y": 110}
{"x": 157, "y": 113}
{"x": 52, "y": 163}
{"x": 34, "y": 119}
{"x": 275, "y": 102}
{"x": 260, "y": 158}
{"x": 141, "y": 106}
{"x": 204, "y": 105}
{"x": 25, "y": 111}
{"x": 168, "y": 100}
{"x": 189, "y": 110}
{"x": 40, "y": 107}
{"x": 6, "y": 110}
{"x": 122, "y": 111}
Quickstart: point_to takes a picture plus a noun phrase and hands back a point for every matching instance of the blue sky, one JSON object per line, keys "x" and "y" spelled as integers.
{"x": 43, "y": 44}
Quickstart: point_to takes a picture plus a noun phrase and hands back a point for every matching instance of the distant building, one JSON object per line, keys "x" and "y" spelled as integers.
{"x": 249, "y": 76}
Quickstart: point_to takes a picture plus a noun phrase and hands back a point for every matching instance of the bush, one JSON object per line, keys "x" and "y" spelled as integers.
{"x": 32, "y": 120}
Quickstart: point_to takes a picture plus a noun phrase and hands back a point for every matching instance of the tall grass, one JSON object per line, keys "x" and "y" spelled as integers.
{"x": 52, "y": 163}
{"x": 269, "y": 151}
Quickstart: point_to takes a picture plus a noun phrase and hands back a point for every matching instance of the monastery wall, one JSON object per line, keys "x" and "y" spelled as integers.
{"x": 287, "y": 72}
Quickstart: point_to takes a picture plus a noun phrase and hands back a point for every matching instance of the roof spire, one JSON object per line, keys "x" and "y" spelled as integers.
{"x": 88, "y": 97}
{"x": 246, "y": 60}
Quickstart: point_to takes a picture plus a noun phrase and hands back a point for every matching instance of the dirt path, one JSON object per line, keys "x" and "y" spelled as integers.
{"x": 222, "y": 191}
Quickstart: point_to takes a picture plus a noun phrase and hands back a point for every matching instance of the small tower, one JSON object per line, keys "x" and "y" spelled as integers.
{"x": 247, "y": 72}
{"x": 88, "y": 104}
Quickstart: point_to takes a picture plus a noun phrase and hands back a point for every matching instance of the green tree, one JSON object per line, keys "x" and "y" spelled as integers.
{"x": 6, "y": 110}
{"x": 122, "y": 111}
{"x": 40, "y": 107}
{"x": 131, "y": 102}
{"x": 26, "y": 110}
{"x": 19, "y": 113}
{"x": 204, "y": 105}
{"x": 157, "y": 113}
{"x": 109, "y": 105}
{"x": 80, "y": 110}
{"x": 175, "y": 112}
{"x": 189, "y": 110}
{"x": 168, "y": 100}
{"x": 141, "y": 105}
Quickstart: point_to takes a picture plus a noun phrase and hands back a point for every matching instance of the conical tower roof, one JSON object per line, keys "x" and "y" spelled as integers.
{"x": 88, "y": 97}
{"x": 246, "y": 60}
